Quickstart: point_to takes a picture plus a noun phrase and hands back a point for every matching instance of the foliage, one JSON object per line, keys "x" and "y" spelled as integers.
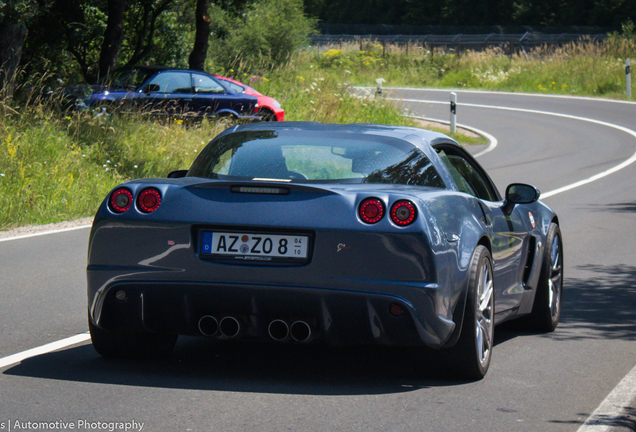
{"x": 264, "y": 36}
{"x": 474, "y": 13}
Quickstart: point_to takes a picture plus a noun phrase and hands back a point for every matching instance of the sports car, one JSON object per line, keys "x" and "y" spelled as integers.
{"x": 302, "y": 233}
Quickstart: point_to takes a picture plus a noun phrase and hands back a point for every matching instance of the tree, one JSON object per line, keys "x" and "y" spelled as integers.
{"x": 202, "y": 37}
{"x": 11, "y": 42}
{"x": 113, "y": 36}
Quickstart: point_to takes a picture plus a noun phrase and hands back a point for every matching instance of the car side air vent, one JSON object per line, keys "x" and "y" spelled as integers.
{"x": 260, "y": 190}
{"x": 532, "y": 245}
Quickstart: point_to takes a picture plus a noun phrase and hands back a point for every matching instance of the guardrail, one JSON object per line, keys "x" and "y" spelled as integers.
{"x": 460, "y": 42}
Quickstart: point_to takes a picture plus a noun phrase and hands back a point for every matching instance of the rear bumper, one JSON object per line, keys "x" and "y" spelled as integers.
{"x": 338, "y": 317}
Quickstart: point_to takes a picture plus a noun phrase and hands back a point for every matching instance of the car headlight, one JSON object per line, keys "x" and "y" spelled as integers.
{"x": 277, "y": 104}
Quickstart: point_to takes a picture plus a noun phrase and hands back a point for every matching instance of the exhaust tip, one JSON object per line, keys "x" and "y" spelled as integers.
{"x": 208, "y": 325}
{"x": 300, "y": 331}
{"x": 278, "y": 330}
{"x": 229, "y": 327}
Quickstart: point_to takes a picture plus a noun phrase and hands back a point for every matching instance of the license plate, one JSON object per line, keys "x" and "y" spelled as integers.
{"x": 255, "y": 246}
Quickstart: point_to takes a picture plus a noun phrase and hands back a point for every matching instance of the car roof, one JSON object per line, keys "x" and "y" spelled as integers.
{"x": 400, "y": 132}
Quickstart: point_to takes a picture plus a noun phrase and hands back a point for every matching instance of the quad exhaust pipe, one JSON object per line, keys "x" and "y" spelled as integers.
{"x": 230, "y": 327}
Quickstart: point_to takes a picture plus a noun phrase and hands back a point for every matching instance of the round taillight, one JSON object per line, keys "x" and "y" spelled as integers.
{"x": 148, "y": 200}
{"x": 120, "y": 200}
{"x": 403, "y": 213}
{"x": 371, "y": 210}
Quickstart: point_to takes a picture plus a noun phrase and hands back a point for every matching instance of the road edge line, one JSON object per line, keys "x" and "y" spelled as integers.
{"x": 613, "y": 406}
{"x": 492, "y": 141}
{"x": 44, "y": 349}
{"x": 23, "y": 236}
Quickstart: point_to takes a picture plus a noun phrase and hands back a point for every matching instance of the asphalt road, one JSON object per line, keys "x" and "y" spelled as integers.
{"x": 536, "y": 382}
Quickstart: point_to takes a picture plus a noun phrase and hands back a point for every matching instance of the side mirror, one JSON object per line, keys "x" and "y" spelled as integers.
{"x": 177, "y": 174}
{"x": 519, "y": 193}
{"x": 152, "y": 88}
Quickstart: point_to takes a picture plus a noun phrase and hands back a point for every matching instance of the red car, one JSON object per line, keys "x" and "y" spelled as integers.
{"x": 270, "y": 109}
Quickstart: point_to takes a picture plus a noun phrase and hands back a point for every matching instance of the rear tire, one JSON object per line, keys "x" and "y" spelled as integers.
{"x": 130, "y": 344}
{"x": 546, "y": 310}
{"x": 473, "y": 351}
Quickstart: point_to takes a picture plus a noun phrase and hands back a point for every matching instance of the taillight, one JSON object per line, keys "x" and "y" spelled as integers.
{"x": 371, "y": 210}
{"x": 148, "y": 200}
{"x": 403, "y": 213}
{"x": 120, "y": 200}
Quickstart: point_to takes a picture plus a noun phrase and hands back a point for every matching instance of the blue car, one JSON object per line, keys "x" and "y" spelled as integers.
{"x": 166, "y": 91}
{"x": 304, "y": 233}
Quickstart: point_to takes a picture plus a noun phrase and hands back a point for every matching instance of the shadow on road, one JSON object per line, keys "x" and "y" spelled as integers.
{"x": 604, "y": 302}
{"x": 204, "y": 364}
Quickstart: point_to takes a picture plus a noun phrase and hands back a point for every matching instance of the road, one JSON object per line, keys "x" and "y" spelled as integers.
{"x": 536, "y": 382}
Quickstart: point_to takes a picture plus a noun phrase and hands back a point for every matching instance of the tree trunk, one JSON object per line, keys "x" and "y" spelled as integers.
{"x": 201, "y": 40}
{"x": 12, "y": 40}
{"x": 113, "y": 36}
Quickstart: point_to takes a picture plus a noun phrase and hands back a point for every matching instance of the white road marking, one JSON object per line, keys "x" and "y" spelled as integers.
{"x": 492, "y": 141}
{"x": 612, "y": 408}
{"x": 44, "y": 349}
{"x": 44, "y": 233}
{"x": 598, "y": 176}
{"x": 585, "y": 98}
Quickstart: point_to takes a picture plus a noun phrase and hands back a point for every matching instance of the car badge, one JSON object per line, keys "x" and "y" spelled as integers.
{"x": 342, "y": 246}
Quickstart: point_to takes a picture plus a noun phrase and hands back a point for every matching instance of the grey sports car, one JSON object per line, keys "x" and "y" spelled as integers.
{"x": 308, "y": 232}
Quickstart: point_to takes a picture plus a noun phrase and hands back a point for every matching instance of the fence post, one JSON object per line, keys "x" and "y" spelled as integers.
{"x": 628, "y": 79}
{"x": 453, "y": 110}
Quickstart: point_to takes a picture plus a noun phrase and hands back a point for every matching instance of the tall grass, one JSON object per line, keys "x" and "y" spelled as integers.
{"x": 586, "y": 69}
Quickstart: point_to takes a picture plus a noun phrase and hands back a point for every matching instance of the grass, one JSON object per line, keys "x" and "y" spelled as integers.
{"x": 56, "y": 167}
{"x": 587, "y": 69}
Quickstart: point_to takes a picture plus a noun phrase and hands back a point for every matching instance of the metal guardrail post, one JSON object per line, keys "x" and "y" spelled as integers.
{"x": 453, "y": 110}
{"x": 628, "y": 79}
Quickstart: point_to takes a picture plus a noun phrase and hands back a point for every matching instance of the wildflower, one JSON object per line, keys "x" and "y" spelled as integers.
{"x": 347, "y": 71}
{"x": 1, "y": 174}
{"x": 107, "y": 160}
{"x": 135, "y": 166}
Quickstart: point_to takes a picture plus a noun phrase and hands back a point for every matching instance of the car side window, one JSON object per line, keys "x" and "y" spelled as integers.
{"x": 206, "y": 85}
{"x": 173, "y": 82}
{"x": 467, "y": 178}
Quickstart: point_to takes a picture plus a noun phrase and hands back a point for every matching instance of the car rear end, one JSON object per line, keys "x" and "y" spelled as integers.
{"x": 290, "y": 262}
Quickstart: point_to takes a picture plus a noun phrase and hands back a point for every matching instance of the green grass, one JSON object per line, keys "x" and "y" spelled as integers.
{"x": 56, "y": 167}
{"x": 585, "y": 69}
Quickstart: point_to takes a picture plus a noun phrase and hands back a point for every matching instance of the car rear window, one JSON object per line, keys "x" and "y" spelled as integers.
{"x": 308, "y": 156}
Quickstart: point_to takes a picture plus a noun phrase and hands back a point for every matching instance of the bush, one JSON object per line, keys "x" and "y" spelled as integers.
{"x": 265, "y": 36}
